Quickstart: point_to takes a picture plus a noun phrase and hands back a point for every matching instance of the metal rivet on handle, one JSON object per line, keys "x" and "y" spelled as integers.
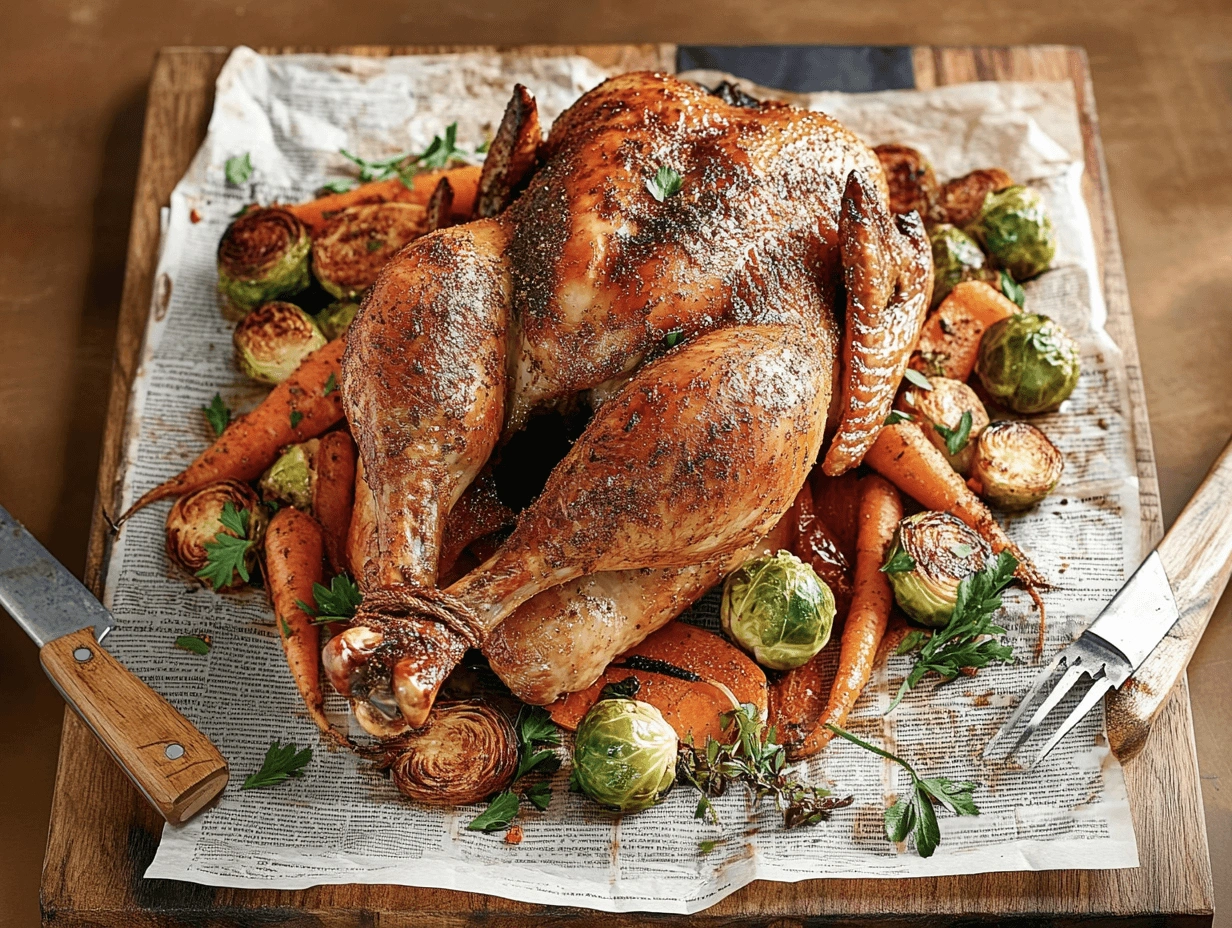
{"x": 174, "y": 751}
{"x": 82, "y": 654}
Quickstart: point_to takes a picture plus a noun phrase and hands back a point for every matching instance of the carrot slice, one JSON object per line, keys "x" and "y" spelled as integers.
{"x": 950, "y": 340}
{"x": 464, "y": 181}
{"x": 333, "y": 493}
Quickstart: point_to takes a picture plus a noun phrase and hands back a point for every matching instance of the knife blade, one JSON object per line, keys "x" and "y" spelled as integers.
{"x": 174, "y": 766}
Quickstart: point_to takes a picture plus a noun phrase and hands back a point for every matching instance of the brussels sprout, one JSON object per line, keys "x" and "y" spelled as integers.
{"x": 359, "y": 241}
{"x": 952, "y": 417}
{"x": 624, "y": 755}
{"x": 1015, "y": 465}
{"x": 931, "y": 554}
{"x": 270, "y": 342}
{"x": 1028, "y": 363}
{"x": 195, "y": 520}
{"x": 956, "y": 257}
{"x": 336, "y": 318}
{"x": 777, "y": 609}
{"x": 1016, "y": 230}
{"x": 263, "y": 256}
{"x": 290, "y": 478}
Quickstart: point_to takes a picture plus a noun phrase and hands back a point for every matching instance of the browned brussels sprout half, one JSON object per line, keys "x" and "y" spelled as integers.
{"x": 272, "y": 341}
{"x": 199, "y": 536}
{"x": 1028, "y": 363}
{"x": 359, "y": 241}
{"x": 263, "y": 256}
{"x": 336, "y": 318}
{"x": 951, "y": 415}
{"x": 956, "y": 257}
{"x": 1015, "y": 465}
{"x": 290, "y": 479}
{"x": 932, "y": 553}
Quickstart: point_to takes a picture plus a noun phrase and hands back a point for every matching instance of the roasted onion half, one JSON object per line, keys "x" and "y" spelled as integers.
{"x": 933, "y": 552}
{"x": 359, "y": 241}
{"x": 194, "y": 521}
{"x": 464, "y": 753}
{"x": 1015, "y": 465}
{"x": 262, "y": 256}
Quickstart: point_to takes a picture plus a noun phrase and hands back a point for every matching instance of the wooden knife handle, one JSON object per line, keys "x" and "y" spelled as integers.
{"x": 173, "y": 764}
{"x": 1197, "y": 557}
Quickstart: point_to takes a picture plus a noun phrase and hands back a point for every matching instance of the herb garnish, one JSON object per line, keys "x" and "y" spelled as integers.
{"x": 441, "y": 151}
{"x": 915, "y": 377}
{"x": 1012, "y": 289}
{"x": 374, "y": 244}
{"x": 756, "y": 760}
{"x": 666, "y": 183}
{"x": 917, "y": 812}
{"x": 337, "y": 186}
{"x": 281, "y": 763}
{"x": 331, "y": 384}
{"x": 900, "y": 562}
{"x": 334, "y": 603}
{"x": 897, "y": 416}
{"x": 537, "y": 736}
{"x": 956, "y": 439}
{"x": 672, "y": 338}
{"x": 218, "y": 414}
{"x": 238, "y": 169}
{"x": 296, "y": 417}
{"x": 197, "y": 644}
{"x": 225, "y": 555}
{"x": 964, "y": 641}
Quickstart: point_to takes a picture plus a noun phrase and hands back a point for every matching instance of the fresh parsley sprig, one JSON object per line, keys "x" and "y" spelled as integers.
{"x": 757, "y": 761}
{"x": 966, "y": 640}
{"x": 227, "y": 554}
{"x": 218, "y": 414}
{"x": 440, "y": 153}
{"x": 282, "y": 761}
{"x": 197, "y": 644}
{"x": 537, "y": 738}
{"x": 334, "y": 603}
{"x": 238, "y": 169}
{"x": 916, "y": 812}
{"x": 956, "y": 438}
{"x": 666, "y": 183}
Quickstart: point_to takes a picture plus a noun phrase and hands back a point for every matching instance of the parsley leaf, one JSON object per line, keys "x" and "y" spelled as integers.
{"x": 502, "y": 810}
{"x": 238, "y": 169}
{"x": 916, "y": 813}
{"x": 1011, "y": 289}
{"x": 666, "y": 183}
{"x": 218, "y": 414}
{"x": 537, "y": 727}
{"x": 966, "y": 640}
{"x": 440, "y": 153}
{"x": 900, "y": 562}
{"x": 334, "y": 603}
{"x": 539, "y": 795}
{"x": 286, "y": 629}
{"x": 331, "y": 384}
{"x": 296, "y": 417}
{"x": 896, "y": 417}
{"x": 337, "y": 186}
{"x": 197, "y": 644}
{"x": 708, "y": 845}
{"x": 912, "y": 641}
{"x": 227, "y": 553}
{"x": 282, "y": 762}
{"x": 915, "y": 377}
{"x": 956, "y": 439}
{"x": 672, "y": 338}
{"x": 374, "y": 244}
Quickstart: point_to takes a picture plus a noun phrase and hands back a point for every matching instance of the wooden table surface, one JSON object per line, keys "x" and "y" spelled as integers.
{"x": 70, "y": 117}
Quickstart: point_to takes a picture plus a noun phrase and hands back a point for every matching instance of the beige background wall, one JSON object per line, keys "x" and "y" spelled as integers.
{"x": 72, "y": 86}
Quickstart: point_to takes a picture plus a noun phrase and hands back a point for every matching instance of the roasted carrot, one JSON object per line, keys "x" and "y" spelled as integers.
{"x": 464, "y": 181}
{"x": 950, "y": 340}
{"x": 904, "y": 456}
{"x": 881, "y": 509}
{"x": 294, "y": 561}
{"x": 333, "y": 493}
{"x": 299, "y": 408}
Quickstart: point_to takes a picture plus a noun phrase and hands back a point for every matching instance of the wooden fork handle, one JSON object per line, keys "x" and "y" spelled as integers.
{"x": 1197, "y": 557}
{"x": 170, "y": 761}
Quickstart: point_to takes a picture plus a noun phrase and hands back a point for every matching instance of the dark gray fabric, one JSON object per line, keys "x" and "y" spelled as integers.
{"x": 805, "y": 68}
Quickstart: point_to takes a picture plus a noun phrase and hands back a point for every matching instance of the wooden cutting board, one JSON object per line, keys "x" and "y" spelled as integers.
{"x": 103, "y": 835}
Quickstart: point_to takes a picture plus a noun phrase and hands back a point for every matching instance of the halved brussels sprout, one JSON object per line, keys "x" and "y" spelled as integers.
{"x": 262, "y": 256}
{"x": 336, "y": 318}
{"x": 956, "y": 257}
{"x": 290, "y": 478}
{"x": 777, "y": 609}
{"x": 912, "y": 183}
{"x": 952, "y": 417}
{"x": 359, "y": 241}
{"x": 932, "y": 553}
{"x": 1016, "y": 230}
{"x": 1028, "y": 363}
{"x": 1015, "y": 465}
{"x": 270, "y": 342}
{"x": 624, "y": 755}
{"x": 195, "y": 520}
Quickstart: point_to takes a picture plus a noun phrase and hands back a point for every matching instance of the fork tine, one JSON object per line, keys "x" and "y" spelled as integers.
{"x": 1059, "y": 692}
{"x": 1025, "y": 703}
{"x": 1093, "y": 695}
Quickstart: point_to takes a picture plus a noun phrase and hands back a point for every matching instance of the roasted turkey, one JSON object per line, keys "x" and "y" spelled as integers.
{"x": 710, "y": 319}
